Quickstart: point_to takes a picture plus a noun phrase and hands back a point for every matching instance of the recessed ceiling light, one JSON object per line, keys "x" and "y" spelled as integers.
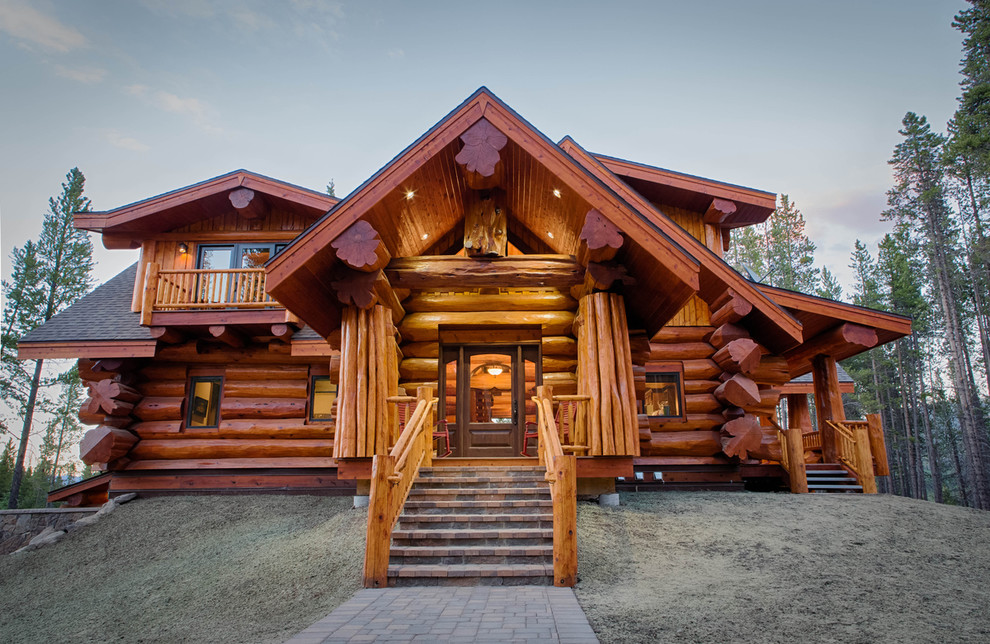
{"x": 425, "y": 236}
{"x": 549, "y": 234}
{"x": 556, "y": 192}
{"x": 410, "y": 194}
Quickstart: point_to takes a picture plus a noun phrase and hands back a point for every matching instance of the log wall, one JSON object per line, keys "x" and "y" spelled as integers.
{"x": 263, "y": 412}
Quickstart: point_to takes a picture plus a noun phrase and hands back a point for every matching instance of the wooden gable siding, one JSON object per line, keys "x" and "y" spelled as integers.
{"x": 696, "y": 311}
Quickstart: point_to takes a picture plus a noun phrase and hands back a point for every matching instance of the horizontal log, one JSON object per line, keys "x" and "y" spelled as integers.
{"x": 518, "y": 271}
{"x": 772, "y": 370}
{"x": 673, "y": 334}
{"x": 166, "y": 388}
{"x": 741, "y": 436}
{"x": 266, "y": 388}
{"x": 226, "y": 464}
{"x": 726, "y": 333}
{"x": 769, "y": 448}
{"x": 266, "y": 372}
{"x": 733, "y": 310}
{"x": 701, "y": 370}
{"x": 564, "y": 384}
{"x": 232, "y": 408}
{"x": 105, "y": 444}
{"x": 691, "y": 443}
{"x": 156, "y": 428}
{"x": 205, "y": 353}
{"x": 421, "y": 327}
{"x": 701, "y": 404}
{"x": 165, "y": 371}
{"x": 543, "y": 300}
{"x": 160, "y": 408}
{"x": 738, "y": 391}
{"x": 700, "y": 386}
{"x": 681, "y": 351}
{"x": 767, "y": 404}
{"x": 169, "y": 448}
{"x": 87, "y": 417}
{"x": 742, "y": 355}
{"x": 832, "y": 341}
{"x": 691, "y": 422}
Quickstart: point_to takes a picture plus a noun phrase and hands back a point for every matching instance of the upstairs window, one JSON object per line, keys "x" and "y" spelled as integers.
{"x": 204, "y": 401}
{"x": 322, "y": 398}
{"x": 248, "y": 255}
{"x": 664, "y": 391}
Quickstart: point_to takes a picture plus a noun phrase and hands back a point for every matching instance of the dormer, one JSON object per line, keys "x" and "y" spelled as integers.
{"x": 203, "y": 250}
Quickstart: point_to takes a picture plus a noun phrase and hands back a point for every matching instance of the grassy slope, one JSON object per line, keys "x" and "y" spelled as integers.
{"x": 715, "y": 567}
{"x": 201, "y": 569}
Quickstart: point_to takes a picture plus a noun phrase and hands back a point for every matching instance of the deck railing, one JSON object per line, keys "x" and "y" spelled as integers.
{"x": 561, "y": 474}
{"x": 204, "y": 289}
{"x": 792, "y": 456}
{"x": 392, "y": 476}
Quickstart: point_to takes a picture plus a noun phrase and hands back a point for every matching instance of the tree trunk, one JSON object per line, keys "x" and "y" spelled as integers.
{"x": 15, "y": 482}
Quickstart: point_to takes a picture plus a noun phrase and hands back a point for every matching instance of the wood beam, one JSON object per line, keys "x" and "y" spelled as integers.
{"x": 479, "y": 159}
{"x": 360, "y": 248}
{"x": 248, "y": 203}
{"x": 105, "y": 444}
{"x": 601, "y": 277}
{"x": 167, "y": 334}
{"x": 356, "y": 288}
{"x": 600, "y": 239}
{"x": 283, "y": 332}
{"x": 829, "y": 342}
{"x": 719, "y": 210}
{"x": 228, "y": 335}
{"x": 524, "y": 271}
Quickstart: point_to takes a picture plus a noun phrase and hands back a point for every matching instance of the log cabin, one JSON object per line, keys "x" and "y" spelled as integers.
{"x": 489, "y": 300}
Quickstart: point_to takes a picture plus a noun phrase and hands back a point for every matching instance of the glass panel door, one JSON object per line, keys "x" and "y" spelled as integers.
{"x": 213, "y": 288}
{"x": 492, "y": 401}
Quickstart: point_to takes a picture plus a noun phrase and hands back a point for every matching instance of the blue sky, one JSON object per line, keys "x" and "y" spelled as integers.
{"x": 795, "y": 97}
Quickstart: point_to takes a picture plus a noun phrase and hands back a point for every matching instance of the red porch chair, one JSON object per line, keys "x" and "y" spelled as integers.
{"x": 566, "y": 413}
{"x": 441, "y": 433}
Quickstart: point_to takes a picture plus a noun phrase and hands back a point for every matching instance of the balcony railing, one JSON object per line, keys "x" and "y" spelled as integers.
{"x": 204, "y": 289}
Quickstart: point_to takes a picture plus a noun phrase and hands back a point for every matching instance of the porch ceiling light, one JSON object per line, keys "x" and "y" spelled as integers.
{"x": 409, "y": 195}
{"x": 493, "y": 369}
{"x": 556, "y": 192}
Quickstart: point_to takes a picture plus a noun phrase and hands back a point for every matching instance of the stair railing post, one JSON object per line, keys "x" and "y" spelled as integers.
{"x": 379, "y": 530}
{"x": 864, "y": 459}
{"x": 565, "y": 521}
{"x": 426, "y": 393}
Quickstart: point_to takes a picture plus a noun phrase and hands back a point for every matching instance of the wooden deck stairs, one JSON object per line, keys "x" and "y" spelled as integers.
{"x": 474, "y": 526}
{"x": 831, "y": 478}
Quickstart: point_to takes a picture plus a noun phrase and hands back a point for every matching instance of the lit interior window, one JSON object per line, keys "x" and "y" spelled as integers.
{"x": 663, "y": 394}
{"x": 323, "y": 398}
{"x": 204, "y": 404}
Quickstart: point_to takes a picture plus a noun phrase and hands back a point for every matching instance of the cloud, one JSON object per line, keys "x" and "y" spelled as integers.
{"x": 87, "y": 75}
{"x": 195, "y": 109}
{"x": 396, "y": 53}
{"x": 32, "y": 27}
{"x": 118, "y": 140}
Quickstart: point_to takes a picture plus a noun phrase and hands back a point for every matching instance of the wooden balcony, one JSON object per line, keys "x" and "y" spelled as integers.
{"x": 208, "y": 296}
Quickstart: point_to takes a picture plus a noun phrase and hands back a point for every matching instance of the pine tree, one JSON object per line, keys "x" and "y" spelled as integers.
{"x": 829, "y": 287}
{"x": 918, "y": 199}
{"x": 791, "y": 254}
{"x": 63, "y": 429}
{"x": 65, "y": 259}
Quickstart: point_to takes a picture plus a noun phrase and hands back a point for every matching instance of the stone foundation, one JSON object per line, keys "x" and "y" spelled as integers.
{"x": 18, "y": 527}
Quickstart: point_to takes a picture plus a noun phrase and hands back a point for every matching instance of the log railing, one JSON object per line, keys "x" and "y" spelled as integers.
{"x": 561, "y": 474}
{"x": 392, "y": 476}
{"x": 792, "y": 456}
{"x": 813, "y": 441}
{"x": 184, "y": 289}
{"x": 572, "y": 415}
{"x": 852, "y": 441}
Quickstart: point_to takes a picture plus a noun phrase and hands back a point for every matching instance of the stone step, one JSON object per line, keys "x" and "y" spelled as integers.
{"x": 430, "y": 505}
{"x": 472, "y": 471}
{"x": 837, "y": 488}
{"x": 820, "y": 473}
{"x": 832, "y": 479}
{"x": 475, "y": 521}
{"x": 439, "y": 555}
{"x": 458, "y": 537}
{"x": 470, "y": 574}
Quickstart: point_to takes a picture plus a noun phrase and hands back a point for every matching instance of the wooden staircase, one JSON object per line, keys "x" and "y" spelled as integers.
{"x": 474, "y": 526}
{"x": 831, "y": 478}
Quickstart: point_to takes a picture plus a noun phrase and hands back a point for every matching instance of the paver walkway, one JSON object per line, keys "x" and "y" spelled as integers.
{"x": 455, "y": 614}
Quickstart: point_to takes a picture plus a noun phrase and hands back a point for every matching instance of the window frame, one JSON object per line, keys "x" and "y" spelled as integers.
{"x": 668, "y": 369}
{"x": 310, "y": 401}
{"x": 236, "y": 251}
{"x": 190, "y": 397}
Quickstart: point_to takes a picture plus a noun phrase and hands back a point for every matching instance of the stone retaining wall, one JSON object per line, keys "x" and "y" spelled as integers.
{"x": 18, "y": 527}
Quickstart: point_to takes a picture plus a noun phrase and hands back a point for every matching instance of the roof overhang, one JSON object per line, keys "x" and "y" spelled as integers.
{"x": 87, "y": 349}
{"x": 823, "y": 322}
{"x": 123, "y": 227}
{"x": 300, "y": 276}
{"x": 770, "y": 325}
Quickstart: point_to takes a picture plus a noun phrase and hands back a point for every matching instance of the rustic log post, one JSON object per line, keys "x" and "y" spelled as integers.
{"x": 426, "y": 393}
{"x": 864, "y": 459}
{"x": 379, "y": 530}
{"x": 877, "y": 445}
{"x": 828, "y": 403}
{"x": 363, "y": 390}
{"x": 798, "y": 420}
{"x": 565, "y": 522}
{"x": 150, "y": 293}
{"x": 486, "y": 232}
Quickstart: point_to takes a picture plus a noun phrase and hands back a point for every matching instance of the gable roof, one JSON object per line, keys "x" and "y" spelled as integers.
{"x": 771, "y": 325}
{"x": 300, "y": 275}
{"x": 199, "y": 201}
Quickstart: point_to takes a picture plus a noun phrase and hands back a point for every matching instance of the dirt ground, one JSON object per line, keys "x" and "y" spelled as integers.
{"x": 188, "y": 569}
{"x": 718, "y": 567}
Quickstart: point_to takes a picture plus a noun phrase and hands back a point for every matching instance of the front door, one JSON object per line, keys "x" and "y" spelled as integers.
{"x": 487, "y": 391}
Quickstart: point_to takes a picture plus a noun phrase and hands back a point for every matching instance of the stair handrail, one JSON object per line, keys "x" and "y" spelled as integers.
{"x": 782, "y": 437}
{"x": 792, "y": 447}
{"x": 392, "y": 476}
{"x": 852, "y": 443}
{"x": 561, "y": 474}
